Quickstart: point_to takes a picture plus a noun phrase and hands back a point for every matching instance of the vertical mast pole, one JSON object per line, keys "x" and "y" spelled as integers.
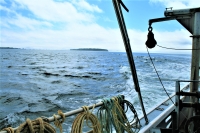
{"x": 126, "y": 41}
{"x": 195, "y": 53}
{"x": 195, "y": 63}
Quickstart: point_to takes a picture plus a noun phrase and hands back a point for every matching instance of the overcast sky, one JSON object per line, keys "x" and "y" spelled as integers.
{"x": 66, "y": 24}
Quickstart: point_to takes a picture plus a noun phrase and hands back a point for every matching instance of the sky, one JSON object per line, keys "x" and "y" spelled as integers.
{"x": 69, "y": 24}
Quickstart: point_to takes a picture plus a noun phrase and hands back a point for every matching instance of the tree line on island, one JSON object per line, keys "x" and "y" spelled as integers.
{"x": 89, "y": 49}
{"x": 8, "y": 48}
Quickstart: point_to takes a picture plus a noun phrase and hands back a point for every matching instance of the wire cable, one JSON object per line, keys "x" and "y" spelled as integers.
{"x": 175, "y": 48}
{"x": 159, "y": 76}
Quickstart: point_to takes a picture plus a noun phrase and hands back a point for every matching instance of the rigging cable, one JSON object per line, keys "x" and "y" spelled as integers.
{"x": 174, "y": 48}
{"x": 159, "y": 76}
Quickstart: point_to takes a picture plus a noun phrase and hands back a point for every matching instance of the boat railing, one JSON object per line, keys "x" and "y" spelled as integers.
{"x": 192, "y": 105}
{"x": 163, "y": 112}
{"x": 172, "y": 117}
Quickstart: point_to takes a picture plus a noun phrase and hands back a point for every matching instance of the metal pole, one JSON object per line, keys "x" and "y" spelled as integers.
{"x": 196, "y": 53}
{"x": 195, "y": 63}
{"x": 126, "y": 41}
{"x": 73, "y": 112}
{"x": 177, "y": 109}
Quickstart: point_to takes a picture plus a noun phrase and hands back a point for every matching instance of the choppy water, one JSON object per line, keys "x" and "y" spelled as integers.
{"x": 37, "y": 83}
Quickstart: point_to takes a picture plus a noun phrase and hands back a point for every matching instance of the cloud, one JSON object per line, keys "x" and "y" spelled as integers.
{"x": 96, "y": 36}
{"x": 77, "y": 36}
{"x": 66, "y": 25}
{"x": 82, "y": 4}
{"x": 28, "y": 14}
{"x": 25, "y": 23}
{"x": 178, "y": 4}
{"x": 40, "y": 24}
{"x": 60, "y": 11}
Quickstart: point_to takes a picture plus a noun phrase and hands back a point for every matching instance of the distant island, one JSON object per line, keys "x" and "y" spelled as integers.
{"x": 89, "y": 49}
{"x": 8, "y": 48}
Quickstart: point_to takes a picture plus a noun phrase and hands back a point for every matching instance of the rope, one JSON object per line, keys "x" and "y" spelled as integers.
{"x": 9, "y": 130}
{"x": 159, "y": 76}
{"x": 105, "y": 116}
{"x": 58, "y": 123}
{"x": 111, "y": 113}
{"x": 34, "y": 126}
{"x": 118, "y": 116}
{"x": 135, "y": 119}
{"x": 175, "y": 48}
{"x": 120, "y": 119}
{"x": 77, "y": 125}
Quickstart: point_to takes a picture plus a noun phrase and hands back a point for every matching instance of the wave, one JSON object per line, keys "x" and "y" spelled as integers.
{"x": 50, "y": 74}
{"x": 12, "y": 120}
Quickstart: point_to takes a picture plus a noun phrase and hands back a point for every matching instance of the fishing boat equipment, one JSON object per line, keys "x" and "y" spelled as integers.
{"x": 181, "y": 104}
{"x": 124, "y": 33}
{"x": 181, "y": 119}
{"x": 151, "y": 42}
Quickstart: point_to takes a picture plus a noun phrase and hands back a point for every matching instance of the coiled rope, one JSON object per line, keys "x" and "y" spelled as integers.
{"x": 105, "y": 116}
{"x": 58, "y": 123}
{"x": 136, "y": 122}
{"x": 34, "y": 126}
{"x": 77, "y": 125}
{"x": 111, "y": 113}
{"x": 120, "y": 120}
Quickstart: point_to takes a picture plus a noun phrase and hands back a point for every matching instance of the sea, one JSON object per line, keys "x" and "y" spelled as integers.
{"x": 35, "y": 83}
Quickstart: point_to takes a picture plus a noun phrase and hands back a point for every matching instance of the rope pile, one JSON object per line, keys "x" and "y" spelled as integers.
{"x": 77, "y": 125}
{"x": 120, "y": 120}
{"x": 111, "y": 114}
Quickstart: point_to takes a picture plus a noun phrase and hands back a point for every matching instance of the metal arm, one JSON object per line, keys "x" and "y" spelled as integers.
{"x": 166, "y": 19}
{"x": 175, "y": 14}
{"x": 124, "y": 33}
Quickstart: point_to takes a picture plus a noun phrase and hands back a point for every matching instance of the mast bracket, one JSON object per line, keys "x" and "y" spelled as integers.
{"x": 195, "y": 36}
